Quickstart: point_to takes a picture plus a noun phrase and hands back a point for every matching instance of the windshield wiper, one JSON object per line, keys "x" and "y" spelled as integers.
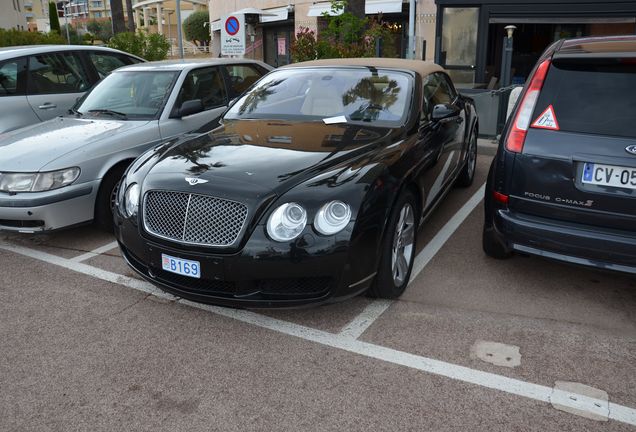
{"x": 109, "y": 112}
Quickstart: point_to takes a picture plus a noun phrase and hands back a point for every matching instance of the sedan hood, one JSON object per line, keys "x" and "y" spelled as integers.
{"x": 261, "y": 157}
{"x": 31, "y": 148}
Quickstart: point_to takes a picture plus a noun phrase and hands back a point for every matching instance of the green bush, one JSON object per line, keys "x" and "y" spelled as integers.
{"x": 194, "y": 27}
{"x": 13, "y": 37}
{"x": 304, "y": 46}
{"x": 102, "y": 30}
{"x": 148, "y": 46}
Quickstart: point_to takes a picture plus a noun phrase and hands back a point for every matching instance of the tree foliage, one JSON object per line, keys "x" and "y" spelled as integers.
{"x": 345, "y": 35}
{"x": 13, "y": 37}
{"x": 54, "y": 21}
{"x": 194, "y": 27}
{"x": 148, "y": 46}
{"x": 102, "y": 30}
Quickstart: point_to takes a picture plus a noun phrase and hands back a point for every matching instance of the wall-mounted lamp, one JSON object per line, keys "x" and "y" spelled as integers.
{"x": 510, "y": 29}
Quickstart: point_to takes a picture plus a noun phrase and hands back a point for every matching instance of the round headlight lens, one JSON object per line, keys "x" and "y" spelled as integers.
{"x": 286, "y": 222}
{"x": 131, "y": 200}
{"x": 332, "y": 217}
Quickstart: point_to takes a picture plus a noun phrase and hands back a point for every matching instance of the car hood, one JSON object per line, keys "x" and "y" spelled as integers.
{"x": 31, "y": 148}
{"x": 257, "y": 157}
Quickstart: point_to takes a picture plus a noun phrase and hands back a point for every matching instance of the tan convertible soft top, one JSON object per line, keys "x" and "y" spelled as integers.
{"x": 423, "y": 68}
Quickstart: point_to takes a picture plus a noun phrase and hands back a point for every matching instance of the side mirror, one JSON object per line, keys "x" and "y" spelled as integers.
{"x": 443, "y": 111}
{"x": 189, "y": 107}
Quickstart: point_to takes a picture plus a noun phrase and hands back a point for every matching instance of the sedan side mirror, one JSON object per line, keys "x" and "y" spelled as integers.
{"x": 444, "y": 111}
{"x": 190, "y": 107}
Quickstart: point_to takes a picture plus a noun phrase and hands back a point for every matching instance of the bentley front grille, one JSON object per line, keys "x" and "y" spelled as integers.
{"x": 193, "y": 219}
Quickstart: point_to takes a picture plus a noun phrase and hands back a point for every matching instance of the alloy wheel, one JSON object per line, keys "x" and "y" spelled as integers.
{"x": 403, "y": 241}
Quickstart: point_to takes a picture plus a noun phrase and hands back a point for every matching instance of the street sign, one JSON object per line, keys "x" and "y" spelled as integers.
{"x": 233, "y": 35}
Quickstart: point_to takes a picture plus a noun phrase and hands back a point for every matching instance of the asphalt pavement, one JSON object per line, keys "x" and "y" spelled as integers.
{"x": 474, "y": 344}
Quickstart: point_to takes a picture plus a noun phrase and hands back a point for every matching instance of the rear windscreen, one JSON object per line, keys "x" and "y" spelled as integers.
{"x": 591, "y": 98}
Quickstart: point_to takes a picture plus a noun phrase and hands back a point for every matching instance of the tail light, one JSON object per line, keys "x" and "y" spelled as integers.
{"x": 500, "y": 198}
{"x": 517, "y": 133}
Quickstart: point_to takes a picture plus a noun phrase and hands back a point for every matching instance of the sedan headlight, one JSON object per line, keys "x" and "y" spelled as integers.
{"x": 131, "y": 200}
{"x": 287, "y": 222}
{"x": 332, "y": 217}
{"x": 38, "y": 182}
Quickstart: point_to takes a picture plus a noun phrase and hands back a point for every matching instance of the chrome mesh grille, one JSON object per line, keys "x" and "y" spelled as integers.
{"x": 194, "y": 219}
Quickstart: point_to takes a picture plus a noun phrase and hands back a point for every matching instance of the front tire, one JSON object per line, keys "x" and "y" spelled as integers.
{"x": 398, "y": 249}
{"x": 106, "y": 199}
{"x": 467, "y": 174}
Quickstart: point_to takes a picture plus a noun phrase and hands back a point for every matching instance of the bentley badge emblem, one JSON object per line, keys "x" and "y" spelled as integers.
{"x": 195, "y": 181}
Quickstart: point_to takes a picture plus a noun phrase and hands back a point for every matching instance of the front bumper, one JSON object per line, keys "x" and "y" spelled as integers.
{"x": 567, "y": 241}
{"x": 262, "y": 274}
{"x": 45, "y": 211}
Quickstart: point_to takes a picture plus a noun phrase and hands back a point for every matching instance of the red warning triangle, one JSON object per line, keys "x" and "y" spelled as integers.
{"x": 547, "y": 120}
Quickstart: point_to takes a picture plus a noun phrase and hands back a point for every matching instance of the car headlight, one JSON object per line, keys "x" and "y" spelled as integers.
{"x": 287, "y": 222}
{"x": 38, "y": 182}
{"x": 131, "y": 200}
{"x": 332, "y": 217}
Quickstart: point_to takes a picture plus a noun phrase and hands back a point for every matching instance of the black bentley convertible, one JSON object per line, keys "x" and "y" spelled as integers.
{"x": 311, "y": 190}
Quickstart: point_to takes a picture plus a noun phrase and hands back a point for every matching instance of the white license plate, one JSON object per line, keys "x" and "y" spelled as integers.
{"x": 181, "y": 266}
{"x": 609, "y": 175}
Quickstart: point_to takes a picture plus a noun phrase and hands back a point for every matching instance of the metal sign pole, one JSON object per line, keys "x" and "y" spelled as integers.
{"x": 179, "y": 30}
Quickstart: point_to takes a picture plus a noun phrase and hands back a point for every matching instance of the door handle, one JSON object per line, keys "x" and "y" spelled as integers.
{"x": 47, "y": 105}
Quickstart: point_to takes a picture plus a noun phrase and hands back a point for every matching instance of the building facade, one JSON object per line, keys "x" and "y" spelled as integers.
{"x": 470, "y": 33}
{"x": 13, "y": 15}
{"x": 271, "y": 33}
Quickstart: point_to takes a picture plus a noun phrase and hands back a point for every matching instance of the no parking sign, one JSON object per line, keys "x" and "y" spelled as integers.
{"x": 233, "y": 35}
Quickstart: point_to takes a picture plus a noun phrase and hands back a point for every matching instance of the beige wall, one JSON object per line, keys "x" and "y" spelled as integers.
{"x": 12, "y": 15}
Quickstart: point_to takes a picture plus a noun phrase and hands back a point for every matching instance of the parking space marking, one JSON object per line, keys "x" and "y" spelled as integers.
{"x": 95, "y": 252}
{"x": 89, "y": 270}
{"x": 436, "y": 243}
{"x": 363, "y": 321}
{"x": 344, "y": 342}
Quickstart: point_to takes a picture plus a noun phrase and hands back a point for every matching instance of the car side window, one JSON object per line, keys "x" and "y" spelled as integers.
{"x": 105, "y": 63}
{"x": 13, "y": 77}
{"x": 436, "y": 90}
{"x": 56, "y": 73}
{"x": 205, "y": 84}
{"x": 446, "y": 82}
{"x": 242, "y": 77}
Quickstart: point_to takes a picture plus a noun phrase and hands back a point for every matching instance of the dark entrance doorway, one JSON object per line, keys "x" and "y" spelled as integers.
{"x": 276, "y": 40}
{"x": 531, "y": 38}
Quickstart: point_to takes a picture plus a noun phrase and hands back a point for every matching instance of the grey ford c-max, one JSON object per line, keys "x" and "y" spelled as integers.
{"x": 563, "y": 182}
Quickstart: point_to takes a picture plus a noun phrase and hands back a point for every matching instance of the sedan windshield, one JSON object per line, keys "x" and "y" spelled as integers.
{"x": 335, "y": 95}
{"x": 138, "y": 95}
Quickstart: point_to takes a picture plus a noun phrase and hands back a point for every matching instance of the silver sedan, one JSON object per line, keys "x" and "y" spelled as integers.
{"x": 65, "y": 171}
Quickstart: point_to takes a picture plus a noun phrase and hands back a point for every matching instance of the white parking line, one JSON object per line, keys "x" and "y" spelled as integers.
{"x": 363, "y": 321}
{"x": 360, "y": 323}
{"x": 95, "y": 252}
{"x": 436, "y": 243}
{"x": 347, "y": 343}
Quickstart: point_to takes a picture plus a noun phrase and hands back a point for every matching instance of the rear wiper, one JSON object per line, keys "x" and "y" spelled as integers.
{"x": 109, "y": 112}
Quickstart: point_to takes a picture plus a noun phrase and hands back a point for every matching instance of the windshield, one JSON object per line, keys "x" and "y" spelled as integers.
{"x": 335, "y": 95}
{"x": 138, "y": 95}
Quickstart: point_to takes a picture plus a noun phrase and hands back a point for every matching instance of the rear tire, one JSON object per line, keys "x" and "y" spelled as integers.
{"x": 106, "y": 198}
{"x": 398, "y": 249}
{"x": 492, "y": 245}
{"x": 467, "y": 174}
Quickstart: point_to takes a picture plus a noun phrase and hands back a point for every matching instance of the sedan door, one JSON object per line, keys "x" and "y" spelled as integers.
{"x": 55, "y": 81}
{"x": 443, "y": 135}
{"x": 15, "y": 110}
{"x": 205, "y": 84}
